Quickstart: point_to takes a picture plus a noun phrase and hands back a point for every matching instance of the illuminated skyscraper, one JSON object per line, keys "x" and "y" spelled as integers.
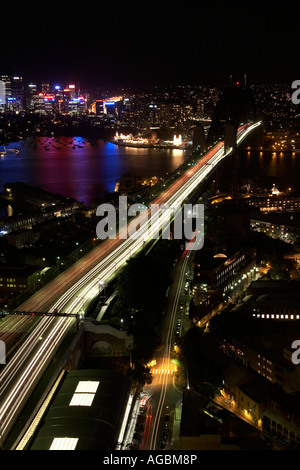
{"x": 14, "y": 92}
{"x": 6, "y": 80}
{"x": 17, "y": 89}
{"x": 77, "y": 105}
{"x": 39, "y": 103}
{"x": 45, "y": 87}
{"x": 110, "y": 108}
{"x": 99, "y": 108}
{"x": 30, "y": 95}
{"x": 2, "y": 96}
{"x": 72, "y": 89}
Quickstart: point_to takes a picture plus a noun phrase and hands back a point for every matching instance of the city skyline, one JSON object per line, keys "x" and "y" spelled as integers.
{"x": 200, "y": 44}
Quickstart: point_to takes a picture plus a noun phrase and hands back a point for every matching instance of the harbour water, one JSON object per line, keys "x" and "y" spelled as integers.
{"x": 85, "y": 169}
{"x": 82, "y": 168}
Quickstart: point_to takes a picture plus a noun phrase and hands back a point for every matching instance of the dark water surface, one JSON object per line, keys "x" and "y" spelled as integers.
{"x": 81, "y": 168}
{"x": 85, "y": 169}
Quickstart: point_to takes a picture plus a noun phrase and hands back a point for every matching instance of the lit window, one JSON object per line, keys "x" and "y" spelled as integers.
{"x": 84, "y": 393}
{"x": 82, "y": 399}
{"x": 87, "y": 387}
{"x": 64, "y": 443}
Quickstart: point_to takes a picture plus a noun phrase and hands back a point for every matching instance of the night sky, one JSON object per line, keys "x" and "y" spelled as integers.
{"x": 157, "y": 43}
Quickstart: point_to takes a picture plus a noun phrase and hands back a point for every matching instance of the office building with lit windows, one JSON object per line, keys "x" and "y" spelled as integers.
{"x": 14, "y": 92}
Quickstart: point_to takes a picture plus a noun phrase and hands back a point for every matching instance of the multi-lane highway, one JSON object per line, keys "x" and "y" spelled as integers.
{"x": 71, "y": 290}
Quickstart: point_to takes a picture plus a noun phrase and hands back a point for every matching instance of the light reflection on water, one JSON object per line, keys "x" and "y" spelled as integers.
{"x": 85, "y": 169}
{"x": 81, "y": 168}
{"x": 282, "y": 165}
{"x": 265, "y": 166}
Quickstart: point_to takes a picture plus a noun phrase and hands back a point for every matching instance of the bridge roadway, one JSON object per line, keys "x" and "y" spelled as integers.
{"x": 70, "y": 291}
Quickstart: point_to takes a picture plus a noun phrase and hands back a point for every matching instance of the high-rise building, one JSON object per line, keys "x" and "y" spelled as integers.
{"x": 77, "y": 105}
{"x": 30, "y": 95}
{"x": 49, "y": 100}
{"x": 110, "y": 108}
{"x": 39, "y": 103}
{"x": 2, "y": 96}
{"x": 99, "y": 108}
{"x": 72, "y": 89}
{"x": 17, "y": 89}
{"x": 45, "y": 87}
{"x": 6, "y": 80}
{"x": 66, "y": 96}
{"x": 59, "y": 98}
{"x": 14, "y": 92}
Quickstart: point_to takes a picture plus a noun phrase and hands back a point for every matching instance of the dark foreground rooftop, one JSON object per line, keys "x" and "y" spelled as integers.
{"x": 86, "y": 413}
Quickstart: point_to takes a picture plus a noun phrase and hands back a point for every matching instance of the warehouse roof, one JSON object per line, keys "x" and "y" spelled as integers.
{"x": 86, "y": 413}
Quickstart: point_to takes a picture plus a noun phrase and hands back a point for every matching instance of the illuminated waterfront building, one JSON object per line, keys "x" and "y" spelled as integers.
{"x": 177, "y": 140}
{"x": 281, "y": 203}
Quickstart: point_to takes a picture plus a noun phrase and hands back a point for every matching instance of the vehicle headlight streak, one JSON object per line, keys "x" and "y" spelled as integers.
{"x": 88, "y": 286}
{"x": 26, "y": 381}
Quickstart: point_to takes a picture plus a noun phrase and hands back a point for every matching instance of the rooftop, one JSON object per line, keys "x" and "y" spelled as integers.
{"x": 86, "y": 413}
